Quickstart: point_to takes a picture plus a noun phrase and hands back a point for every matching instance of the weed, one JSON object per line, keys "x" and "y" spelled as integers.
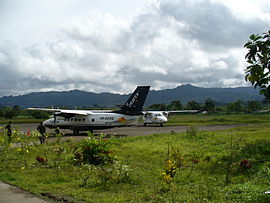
{"x": 170, "y": 171}
{"x": 122, "y": 172}
{"x": 58, "y": 159}
{"x": 245, "y": 164}
{"x": 41, "y": 160}
{"x": 234, "y": 149}
{"x": 84, "y": 172}
{"x": 174, "y": 160}
{"x": 58, "y": 136}
{"x": 192, "y": 132}
{"x": 117, "y": 172}
{"x": 178, "y": 158}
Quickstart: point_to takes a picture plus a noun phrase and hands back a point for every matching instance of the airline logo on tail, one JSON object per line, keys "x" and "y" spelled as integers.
{"x": 134, "y": 104}
{"x": 133, "y": 99}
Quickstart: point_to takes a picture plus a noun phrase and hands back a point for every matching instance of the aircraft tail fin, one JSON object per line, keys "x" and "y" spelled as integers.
{"x": 135, "y": 102}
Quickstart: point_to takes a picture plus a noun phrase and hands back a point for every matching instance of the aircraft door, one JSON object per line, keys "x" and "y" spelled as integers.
{"x": 149, "y": 117}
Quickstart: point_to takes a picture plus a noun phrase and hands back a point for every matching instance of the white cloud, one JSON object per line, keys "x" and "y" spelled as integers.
{"x": 168, "y": 43}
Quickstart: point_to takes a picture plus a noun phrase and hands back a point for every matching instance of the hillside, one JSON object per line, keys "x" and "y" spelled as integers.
{"x": 77, "y": 98}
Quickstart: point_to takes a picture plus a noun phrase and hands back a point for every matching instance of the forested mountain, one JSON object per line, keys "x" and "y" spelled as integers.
{"x": 79, "y": 99}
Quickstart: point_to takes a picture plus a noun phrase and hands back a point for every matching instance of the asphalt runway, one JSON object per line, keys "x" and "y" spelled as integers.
{"x": 138, "y": 130}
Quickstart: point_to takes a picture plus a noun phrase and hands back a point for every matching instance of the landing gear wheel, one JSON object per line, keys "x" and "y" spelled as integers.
{"x": 161, "y": 125}
{"x": 57, "y": 131}
{"x": 145, "y": 124}
{"x": 75, "y": 132}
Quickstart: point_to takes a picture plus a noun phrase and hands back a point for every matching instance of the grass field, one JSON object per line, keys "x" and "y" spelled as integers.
{"x": 219, "y": 119}
{"x": 220, "y": 166}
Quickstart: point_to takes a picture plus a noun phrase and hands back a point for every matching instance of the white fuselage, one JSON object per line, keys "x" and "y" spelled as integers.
{"x": 91, "y": 122}
{"x": 154, "y": 117}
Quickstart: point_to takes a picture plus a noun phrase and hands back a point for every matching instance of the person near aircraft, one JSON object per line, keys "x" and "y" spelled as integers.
{"x": 8, "y": 130}
{"x": 42, "y": 130}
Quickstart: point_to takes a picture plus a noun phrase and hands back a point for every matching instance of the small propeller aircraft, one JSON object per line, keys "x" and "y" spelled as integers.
{"x": 87, "y": 120}
{"x": 161, "y": 117}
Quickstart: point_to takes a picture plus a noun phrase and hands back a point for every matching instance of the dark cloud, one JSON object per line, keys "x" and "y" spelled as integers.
{"x": 177, "y": 42}
{"x": 211, "y": 23}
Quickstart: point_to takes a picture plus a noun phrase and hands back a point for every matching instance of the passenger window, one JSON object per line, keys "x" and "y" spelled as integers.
{"x": 93, "y": 120}
{"x": 75, "y": 119}
{"x": 79, "y": 119}
{"x": 83, "y": 119}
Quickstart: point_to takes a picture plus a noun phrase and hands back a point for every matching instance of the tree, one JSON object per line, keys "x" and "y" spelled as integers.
{"x": 10, "y": 112}
{"x": 1, "y": 111}
{"x": 175, "y": 105}
{"x": 209, "y": 105}
{"x": 40, "y": 114}
{"x": 253, "y": 106}
{"x": 235, "y": 106}
{"x": 158, "y": 107}
{"x": 193, "y": 105}
{"x": 258, "y": 57}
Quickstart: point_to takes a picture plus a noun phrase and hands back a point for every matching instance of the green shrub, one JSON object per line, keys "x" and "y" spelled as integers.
{"x": 95, "y": 151}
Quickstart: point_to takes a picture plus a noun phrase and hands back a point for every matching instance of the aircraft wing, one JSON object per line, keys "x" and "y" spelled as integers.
{"x": 183, "y": 111}
{"x": 172, "y": 112}
{"x": 167, "y": 113}
{"x": 65, "y": 111}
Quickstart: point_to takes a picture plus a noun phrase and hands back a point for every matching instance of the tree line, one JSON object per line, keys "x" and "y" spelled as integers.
{"x": 211, "y": 106}
{"x": 16, "y": 111}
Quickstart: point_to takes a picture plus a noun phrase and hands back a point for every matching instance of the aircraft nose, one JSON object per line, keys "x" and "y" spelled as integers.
{"x": 165, "y": 119}
{"x": 47, "y": 123}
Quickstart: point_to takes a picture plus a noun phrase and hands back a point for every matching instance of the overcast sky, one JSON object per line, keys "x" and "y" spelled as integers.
{"x": 115, "y": 45}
